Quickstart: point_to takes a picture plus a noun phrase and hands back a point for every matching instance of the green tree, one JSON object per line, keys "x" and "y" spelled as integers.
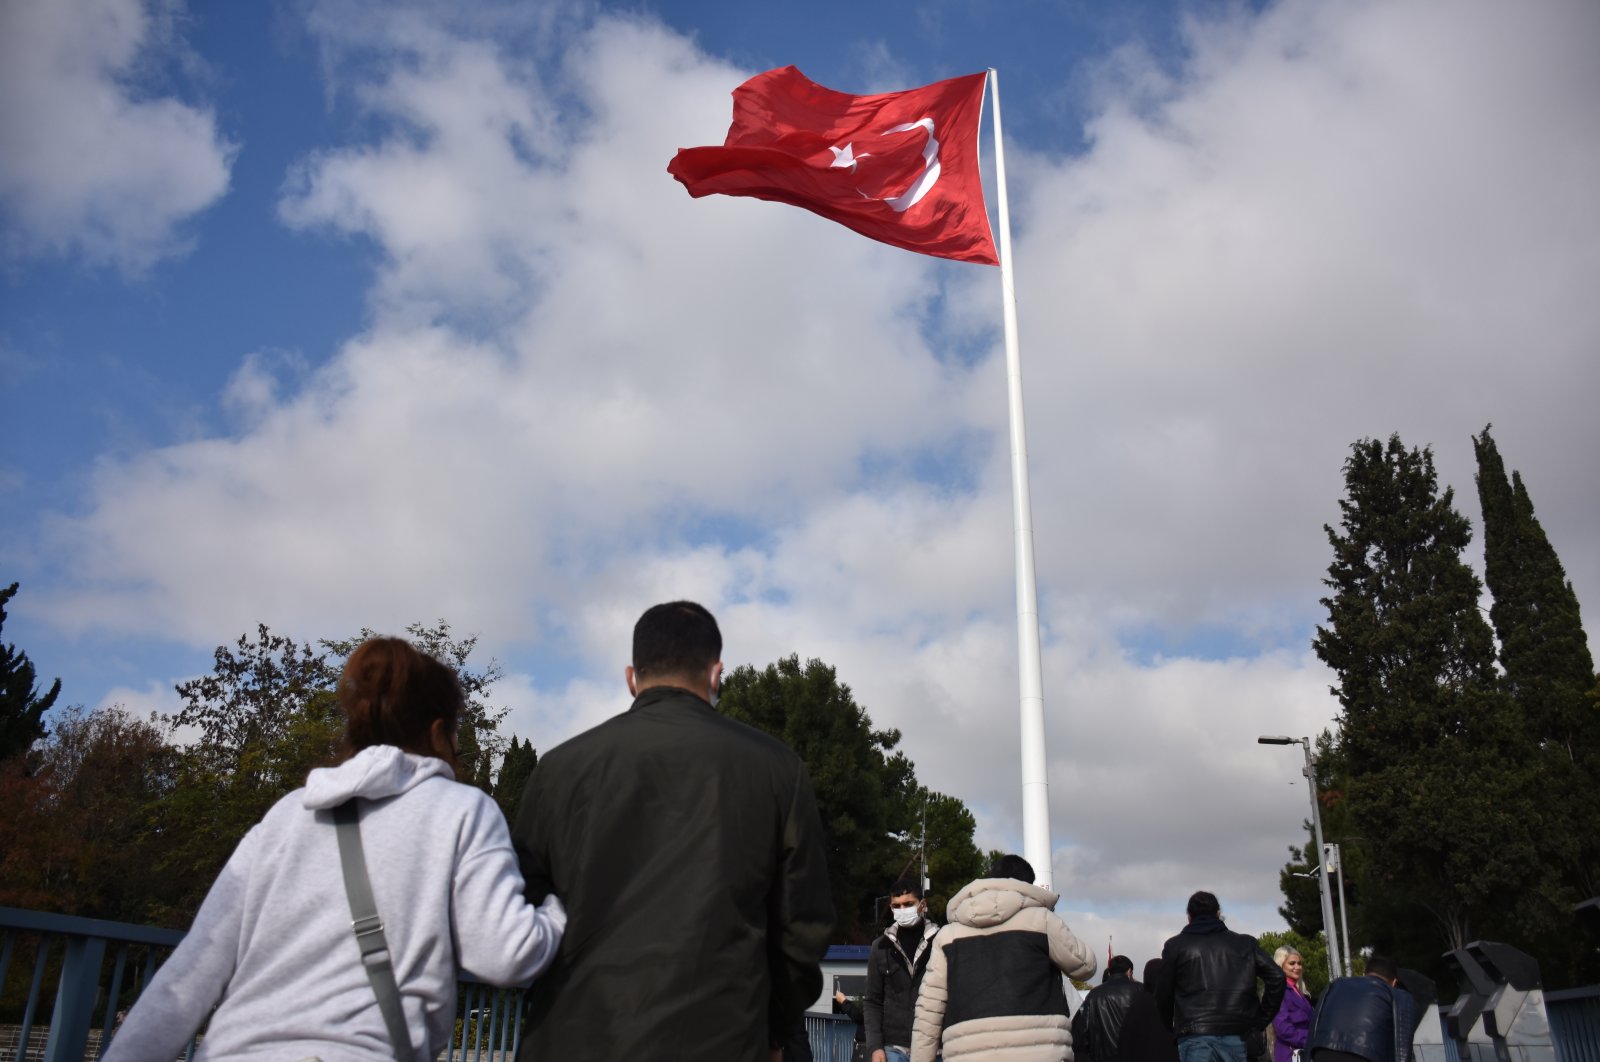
{"x": 1549, "y": 671}
{"x": 21, "y": 707}
{"x": 854, "y": 768}
{"x": 266, "y": 715}
{"x": 1543, "y": 648}
{"x": 515, "y": 768}
{"x": 79, "y": 831}
{"x": 1441, "y": 782}
{"x": 944, "y": 837}
{"x": 867, "y": 792}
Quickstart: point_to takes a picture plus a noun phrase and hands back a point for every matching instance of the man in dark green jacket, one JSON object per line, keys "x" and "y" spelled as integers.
{"x": 689, "y": 855}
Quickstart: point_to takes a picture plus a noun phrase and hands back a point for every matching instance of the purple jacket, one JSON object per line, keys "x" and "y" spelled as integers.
{"x": 1292, "y": 1025}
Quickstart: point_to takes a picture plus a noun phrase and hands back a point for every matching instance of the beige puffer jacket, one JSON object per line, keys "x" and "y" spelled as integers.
{"x": 993, "y": 987}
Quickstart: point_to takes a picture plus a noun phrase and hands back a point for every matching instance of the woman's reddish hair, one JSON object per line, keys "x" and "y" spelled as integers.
{"x": 391, "y": 693}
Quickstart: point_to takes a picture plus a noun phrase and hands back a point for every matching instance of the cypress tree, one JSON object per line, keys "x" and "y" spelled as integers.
{"x": 21, "y": 708}
{"x": 1543, "y": 648}
{"x": 1547, "y": 666}
{"x": 1441, "y": 783}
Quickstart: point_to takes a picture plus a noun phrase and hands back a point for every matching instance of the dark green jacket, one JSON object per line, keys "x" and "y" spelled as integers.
{"x": 688, "y": 853}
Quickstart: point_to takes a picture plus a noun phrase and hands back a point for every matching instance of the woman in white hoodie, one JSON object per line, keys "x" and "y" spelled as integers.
{"x": 272, "y": 947}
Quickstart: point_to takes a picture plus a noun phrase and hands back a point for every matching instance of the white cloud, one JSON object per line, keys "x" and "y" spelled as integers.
{"x": 90, "y": 162}
{"x": 582, "y": 392}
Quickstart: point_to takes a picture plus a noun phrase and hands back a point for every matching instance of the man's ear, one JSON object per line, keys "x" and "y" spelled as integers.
{"x": 633, "y": 680}
{"x": 716, "y": 677}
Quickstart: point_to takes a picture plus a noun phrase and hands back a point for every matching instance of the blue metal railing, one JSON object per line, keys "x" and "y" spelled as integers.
{"x": 79, "y": 976}
{"x": 90, "y": 988}
{"x": 1575, "y": 1023}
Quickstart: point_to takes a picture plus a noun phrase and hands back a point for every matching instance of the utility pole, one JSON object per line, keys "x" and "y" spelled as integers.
{"x": 1329, "y": 930}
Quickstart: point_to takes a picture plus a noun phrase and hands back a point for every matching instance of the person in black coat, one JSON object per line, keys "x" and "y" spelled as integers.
{"x": 690, "y": 857}
{"x": 1207, "y": 992}
{"x": 1145, "y": 1037}
{"x": 895, "y": 965}
{"x": 1097, "y": 1027}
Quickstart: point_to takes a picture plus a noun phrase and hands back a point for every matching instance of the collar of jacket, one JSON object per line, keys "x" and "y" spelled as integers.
{"x": 929, "y": 929}
{"x": 657, "y": 694}
{"x": 1205, "y": 925}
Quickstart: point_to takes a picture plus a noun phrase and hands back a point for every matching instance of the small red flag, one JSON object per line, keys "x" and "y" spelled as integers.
{"x": 900, "y": 167}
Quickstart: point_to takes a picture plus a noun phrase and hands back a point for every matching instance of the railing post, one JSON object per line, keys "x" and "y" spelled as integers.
{"x": 75, "y": 999}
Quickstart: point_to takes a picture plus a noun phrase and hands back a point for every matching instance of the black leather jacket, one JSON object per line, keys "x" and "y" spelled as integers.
{"x": 1097, "y": 1027}
{"x": 1364, "y": 1016}
{"x": 1208, "y": 982}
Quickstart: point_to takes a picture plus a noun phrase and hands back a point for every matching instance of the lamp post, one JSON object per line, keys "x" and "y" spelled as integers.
{"x": 1329, "y": 931}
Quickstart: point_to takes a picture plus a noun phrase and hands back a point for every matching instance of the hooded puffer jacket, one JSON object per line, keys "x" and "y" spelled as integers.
{"x": 992, "y": 992}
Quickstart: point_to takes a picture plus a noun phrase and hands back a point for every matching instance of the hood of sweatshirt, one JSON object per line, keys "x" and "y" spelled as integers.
{"x": 375, "y": 772}
{"x": 991, "y": 901}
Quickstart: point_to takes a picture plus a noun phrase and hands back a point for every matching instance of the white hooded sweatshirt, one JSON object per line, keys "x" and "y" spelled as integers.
{"x": 272, "y": 949}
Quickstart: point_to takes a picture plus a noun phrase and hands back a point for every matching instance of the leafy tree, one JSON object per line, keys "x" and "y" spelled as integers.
{"x": 1441, "y": 781}
{"x": 853, "y": 767}
{"x": 79, "y": 835}
{"x": 867, "y": 793}
{"x": 953, "y": 859}
{"x": 263, "y": 718}
{"x": 21, "y": 708}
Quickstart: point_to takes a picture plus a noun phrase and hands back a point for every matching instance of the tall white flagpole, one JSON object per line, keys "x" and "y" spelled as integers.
{"x": 1035, "y": 788}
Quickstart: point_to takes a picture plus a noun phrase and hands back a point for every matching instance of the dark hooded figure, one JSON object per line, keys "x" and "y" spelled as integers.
{"x": 1145, "y": 1038}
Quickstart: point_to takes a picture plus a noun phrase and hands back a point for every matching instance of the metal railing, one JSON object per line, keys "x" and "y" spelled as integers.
{"x": 1575, "y": 1023}
{"x": 84, "y": 971}
{"x": 76, "y": 948}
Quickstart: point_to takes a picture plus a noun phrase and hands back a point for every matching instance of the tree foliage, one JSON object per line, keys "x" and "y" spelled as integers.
{"x": 80, "y": 825}
{"x": 1548, "y": 670}
{"x": 22, "y": 708}
{"x": 1434, "y": 784}
{"x": 867, "y": 794}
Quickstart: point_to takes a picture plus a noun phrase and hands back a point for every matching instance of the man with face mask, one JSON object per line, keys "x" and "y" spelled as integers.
{"x": 894, "y": 972}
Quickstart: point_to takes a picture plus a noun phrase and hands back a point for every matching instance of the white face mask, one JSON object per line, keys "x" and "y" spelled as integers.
{"x": 906, "y": 916}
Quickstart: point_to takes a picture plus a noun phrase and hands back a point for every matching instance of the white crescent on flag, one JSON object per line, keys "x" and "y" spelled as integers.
{"x": 846, "y": 158}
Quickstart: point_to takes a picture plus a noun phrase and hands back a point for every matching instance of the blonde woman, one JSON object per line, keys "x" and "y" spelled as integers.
{"x": 1292, "y": 1026}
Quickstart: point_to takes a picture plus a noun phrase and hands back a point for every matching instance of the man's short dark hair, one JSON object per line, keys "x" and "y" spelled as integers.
{"x": 1204, "y": 905}
{"x": 675, "y": 639}
{"x": 904, "y": 886}
{"x": 1012, "y": 866}
{"x": 1383, "y": 966}
{"x": 1119, "y": 966}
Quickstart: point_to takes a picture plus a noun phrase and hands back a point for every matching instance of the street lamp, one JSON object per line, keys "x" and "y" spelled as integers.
{"x": 1329, "y": 931}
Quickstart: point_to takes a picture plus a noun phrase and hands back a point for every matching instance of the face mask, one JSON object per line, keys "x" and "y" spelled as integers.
{"x": 906, "y": 916}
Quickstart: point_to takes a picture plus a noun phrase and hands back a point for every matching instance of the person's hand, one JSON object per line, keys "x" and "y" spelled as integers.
{"x": 880, "y": 1055}
{"x": 839, "y": 997}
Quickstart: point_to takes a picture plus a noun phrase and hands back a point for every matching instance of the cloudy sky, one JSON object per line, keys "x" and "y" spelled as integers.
{"x": 336, "y": 313}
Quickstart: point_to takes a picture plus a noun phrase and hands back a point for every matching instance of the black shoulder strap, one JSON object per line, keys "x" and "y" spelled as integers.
{"x": 368, "y": 928}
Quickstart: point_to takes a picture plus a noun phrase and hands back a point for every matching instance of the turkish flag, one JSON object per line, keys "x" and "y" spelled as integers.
{"x": 900, "y": 167}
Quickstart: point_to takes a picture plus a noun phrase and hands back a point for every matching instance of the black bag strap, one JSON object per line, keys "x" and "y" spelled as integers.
{"x": 368, "y": 928}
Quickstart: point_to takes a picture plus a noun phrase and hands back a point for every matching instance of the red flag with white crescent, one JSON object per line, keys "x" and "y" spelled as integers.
{"x": 899, "y": 167}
